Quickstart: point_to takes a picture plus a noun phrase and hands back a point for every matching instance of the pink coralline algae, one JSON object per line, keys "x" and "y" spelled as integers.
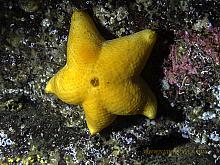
{"x": 193, "y": 52}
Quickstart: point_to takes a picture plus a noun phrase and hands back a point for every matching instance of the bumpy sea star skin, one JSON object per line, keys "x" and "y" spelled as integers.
{"x": 104, "y": 76}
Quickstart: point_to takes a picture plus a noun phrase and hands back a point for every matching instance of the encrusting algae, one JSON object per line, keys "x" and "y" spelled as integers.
{"x": 104, "y": 76}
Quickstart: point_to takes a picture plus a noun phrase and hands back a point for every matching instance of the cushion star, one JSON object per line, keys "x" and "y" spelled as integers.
{"x": 104, "y": 76}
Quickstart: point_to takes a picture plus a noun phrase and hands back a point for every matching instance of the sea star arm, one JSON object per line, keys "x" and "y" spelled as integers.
{"x": 127, "y": 55}
{"x": 130, "y": 98}
{"x": 84, "y": 40}
{"x": 67, "y": 86}
{"x": 97, "y": 117}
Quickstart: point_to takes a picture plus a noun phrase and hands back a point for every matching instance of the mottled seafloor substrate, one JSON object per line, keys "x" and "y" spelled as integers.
{"x": 184, "y": 72}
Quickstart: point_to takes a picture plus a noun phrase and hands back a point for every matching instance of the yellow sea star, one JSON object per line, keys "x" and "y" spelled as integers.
{"x": 104, "y": 76}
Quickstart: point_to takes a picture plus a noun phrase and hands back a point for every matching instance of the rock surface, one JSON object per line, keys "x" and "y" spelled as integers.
{"x": 40, "y": 129}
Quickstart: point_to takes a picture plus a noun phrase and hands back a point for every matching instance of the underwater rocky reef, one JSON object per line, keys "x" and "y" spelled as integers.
{"x": 183, "y": 71}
